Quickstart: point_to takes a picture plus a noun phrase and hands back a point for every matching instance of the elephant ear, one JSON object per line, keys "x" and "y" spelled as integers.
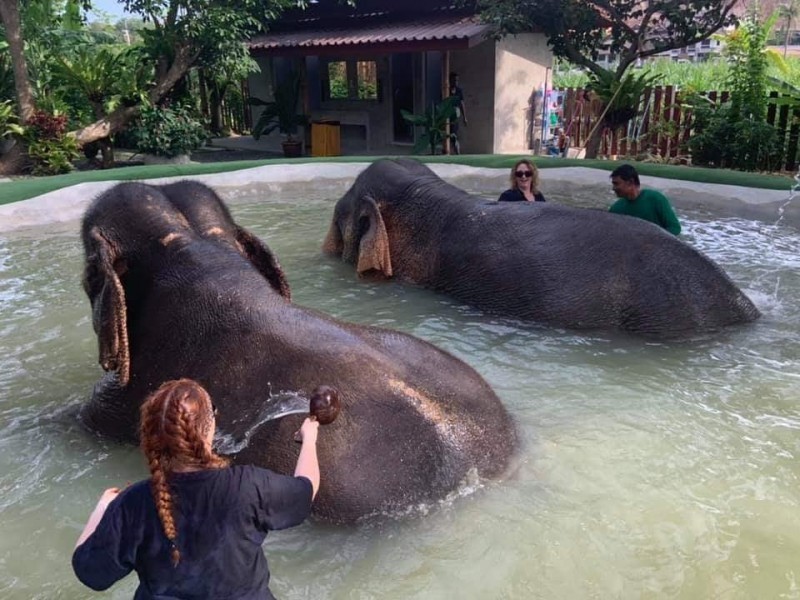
{"x": 107, "y": 295}
{"x": 373, "y": 245}
{"x": 264, "y": 260}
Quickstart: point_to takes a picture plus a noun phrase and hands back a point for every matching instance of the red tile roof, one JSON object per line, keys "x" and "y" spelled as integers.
{"x": 466, "y": 30}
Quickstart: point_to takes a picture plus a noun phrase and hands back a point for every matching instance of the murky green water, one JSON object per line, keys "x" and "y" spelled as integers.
{"x": 648, "y": 471}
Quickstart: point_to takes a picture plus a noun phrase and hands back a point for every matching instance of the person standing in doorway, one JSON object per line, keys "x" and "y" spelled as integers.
{"x": 650, "y": 205}
{"x": 461, "y": 113}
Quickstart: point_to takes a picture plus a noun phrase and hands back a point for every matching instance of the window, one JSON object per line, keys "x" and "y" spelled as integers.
{"x": 350, "y": 80}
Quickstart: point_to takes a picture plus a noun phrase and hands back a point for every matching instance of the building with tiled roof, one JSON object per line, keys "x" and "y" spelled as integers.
{"x": 362, "y": 65}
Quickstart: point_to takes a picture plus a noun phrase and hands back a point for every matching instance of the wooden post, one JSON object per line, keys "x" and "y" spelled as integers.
{"x": 445, "y": 94}
{"x": 306, "y": 104}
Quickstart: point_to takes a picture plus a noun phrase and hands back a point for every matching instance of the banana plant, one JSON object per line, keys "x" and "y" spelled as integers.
{"x": 281, "y": 113}
{"x": 620, "y": 96}
{"x": 434, "y": 123}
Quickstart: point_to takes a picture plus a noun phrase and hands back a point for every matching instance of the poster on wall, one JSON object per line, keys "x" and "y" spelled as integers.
{"x": 553, "y": 113}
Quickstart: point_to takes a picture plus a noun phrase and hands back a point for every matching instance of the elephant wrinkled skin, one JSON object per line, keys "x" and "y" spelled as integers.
{"x": 179, "y": 290}
{"x": 559, "y": 265}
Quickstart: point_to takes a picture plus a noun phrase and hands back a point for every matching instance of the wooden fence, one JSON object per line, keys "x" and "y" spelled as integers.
{"x": 663, "y": 125}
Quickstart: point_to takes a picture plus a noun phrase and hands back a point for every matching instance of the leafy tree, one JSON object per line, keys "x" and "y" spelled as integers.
{"x": 788, "y": 13}
{"x": 181, "y": 32}
{"x": 630, "y": 29}
{"x": 736, "y": 135}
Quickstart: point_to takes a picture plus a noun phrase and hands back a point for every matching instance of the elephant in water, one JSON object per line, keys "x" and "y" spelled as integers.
{"x": 178, "y": 289}
{"x": 564, "y": 266}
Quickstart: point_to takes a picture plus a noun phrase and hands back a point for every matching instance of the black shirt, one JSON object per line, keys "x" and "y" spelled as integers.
{"x": 515, "y": 195}
{"x": 222, "y": 517}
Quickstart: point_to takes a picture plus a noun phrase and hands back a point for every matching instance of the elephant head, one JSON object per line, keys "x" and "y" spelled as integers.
{"x": 367, "y": 228}
{"x": 358, "y": 235}
{"x": 144, "y": 223}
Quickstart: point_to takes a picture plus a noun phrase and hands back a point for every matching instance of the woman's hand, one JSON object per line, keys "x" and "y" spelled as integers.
{"x": 308, "y": 431}
{"x": 307, "y": 463}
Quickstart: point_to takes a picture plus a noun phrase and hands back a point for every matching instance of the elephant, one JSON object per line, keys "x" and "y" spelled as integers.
{"x": 178, "y": 289}
{"x": 575, "y": 268}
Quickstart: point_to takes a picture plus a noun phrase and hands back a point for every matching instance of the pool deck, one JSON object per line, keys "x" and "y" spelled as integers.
{"x": 722, "y": 201}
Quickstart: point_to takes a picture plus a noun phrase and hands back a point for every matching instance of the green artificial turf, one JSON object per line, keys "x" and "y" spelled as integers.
{"x": 22, "y": 189}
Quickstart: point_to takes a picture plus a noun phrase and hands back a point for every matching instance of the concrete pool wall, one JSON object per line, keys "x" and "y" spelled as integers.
{"x": 769, "y": 206}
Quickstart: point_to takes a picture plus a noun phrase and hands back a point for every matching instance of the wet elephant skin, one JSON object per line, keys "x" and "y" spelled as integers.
{"x": 544, "y": 262}
{"x": 179, "y": 290}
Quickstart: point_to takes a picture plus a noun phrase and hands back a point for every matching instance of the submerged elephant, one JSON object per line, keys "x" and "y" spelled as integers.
{"x": 179, "y": 290}
{"x": 569, "y": 267}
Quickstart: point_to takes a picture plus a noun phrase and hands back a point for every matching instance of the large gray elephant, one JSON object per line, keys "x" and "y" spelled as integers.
{"x": 565, "y": 266}
{"x": 179, "y": 290}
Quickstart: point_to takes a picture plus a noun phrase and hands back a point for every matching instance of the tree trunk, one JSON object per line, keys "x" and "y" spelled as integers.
{"x": 593, "y": 142}
{"x": 119, "y": 119}
{"x": 107, "y": 126}
{"x": 9, "y": 15}
{"x": 201, "y": 79}
{"x": 215, "y": 108}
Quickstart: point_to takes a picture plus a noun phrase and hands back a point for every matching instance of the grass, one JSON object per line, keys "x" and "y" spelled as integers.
{"x": 22, "y": 189}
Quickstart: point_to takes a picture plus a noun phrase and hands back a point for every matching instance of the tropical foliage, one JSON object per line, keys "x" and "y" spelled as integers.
{"x": 51, "y": 149}
{"x": 631, "y": 30}
{"x": 168, "y": 131}
{"x": 281, "y": 113}
{"x": 100, "y": 76}
{"x": 433, "y": 123}
{"x": 736, "y": 134}
{"x": 9, "y": 123}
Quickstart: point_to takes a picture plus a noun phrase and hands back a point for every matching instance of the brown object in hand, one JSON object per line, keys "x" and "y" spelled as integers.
{"x": 324, "y": 407}
{"x": 324, "y": 404}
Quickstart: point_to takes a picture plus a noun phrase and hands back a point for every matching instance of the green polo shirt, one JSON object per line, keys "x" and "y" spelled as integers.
{"x": 649, "y": 205}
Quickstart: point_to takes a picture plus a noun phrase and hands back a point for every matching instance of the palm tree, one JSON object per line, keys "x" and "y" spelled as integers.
{"x": 788, "y": 12}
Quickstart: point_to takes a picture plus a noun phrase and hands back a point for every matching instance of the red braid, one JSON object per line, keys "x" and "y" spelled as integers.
{"x": 175, "y": 421}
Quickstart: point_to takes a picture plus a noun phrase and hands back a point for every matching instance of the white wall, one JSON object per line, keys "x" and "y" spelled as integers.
{"x": 522, "y": 63}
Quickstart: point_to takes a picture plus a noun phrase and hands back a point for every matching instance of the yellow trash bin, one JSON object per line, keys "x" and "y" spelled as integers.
{"x": 325, "y": 138}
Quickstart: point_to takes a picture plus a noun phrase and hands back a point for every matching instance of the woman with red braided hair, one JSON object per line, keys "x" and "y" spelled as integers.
{"x": 195, "y": 528}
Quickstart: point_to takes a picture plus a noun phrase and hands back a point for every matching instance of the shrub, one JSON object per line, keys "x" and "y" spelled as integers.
{"x": 723, "y": 139}
{"x": 50, "y": 148}
{"x": 168, "y": 132}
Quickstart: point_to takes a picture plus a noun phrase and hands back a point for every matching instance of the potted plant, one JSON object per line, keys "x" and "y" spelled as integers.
{"x": 434, "y": 123}
{"x": 282, "y": 114}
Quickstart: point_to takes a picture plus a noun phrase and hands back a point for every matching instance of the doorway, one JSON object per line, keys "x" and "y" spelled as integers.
{"x": 402, "y": 96}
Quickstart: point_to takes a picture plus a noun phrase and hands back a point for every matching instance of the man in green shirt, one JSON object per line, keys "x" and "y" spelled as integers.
{"x": 632, "y": 200}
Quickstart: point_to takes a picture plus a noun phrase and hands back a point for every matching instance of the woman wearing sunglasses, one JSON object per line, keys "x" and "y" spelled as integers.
{"x": 194, "y": 529}
{"x": 524, "y": 184}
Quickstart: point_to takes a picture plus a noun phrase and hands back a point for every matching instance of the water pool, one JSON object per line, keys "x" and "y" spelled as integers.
{"x": 664, "y": 470}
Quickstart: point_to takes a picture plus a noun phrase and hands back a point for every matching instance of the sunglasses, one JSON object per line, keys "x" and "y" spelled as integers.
{"x": 523, "y": 174}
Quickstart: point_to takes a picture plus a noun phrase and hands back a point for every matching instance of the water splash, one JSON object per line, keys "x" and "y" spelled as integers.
{"x": 276, "y": 406}
{"x": 793, "y": 191}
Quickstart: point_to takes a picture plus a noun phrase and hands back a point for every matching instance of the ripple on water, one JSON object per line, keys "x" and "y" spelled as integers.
{"x": 646, "y": 470}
